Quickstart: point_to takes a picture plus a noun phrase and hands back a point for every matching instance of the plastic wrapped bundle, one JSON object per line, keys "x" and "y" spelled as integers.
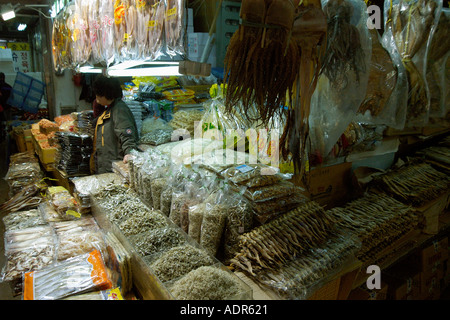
{"x": 74, "y": 153}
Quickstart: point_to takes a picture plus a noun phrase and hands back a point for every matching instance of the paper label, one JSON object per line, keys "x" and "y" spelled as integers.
{"x": 244, "y": 168}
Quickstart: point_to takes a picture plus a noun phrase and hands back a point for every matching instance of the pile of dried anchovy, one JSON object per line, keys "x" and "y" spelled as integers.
{"x": 209, "y": 283}
{"x": 272, "y": 244}
{"x": 180, "y": 260}
{"x": 157, "y": 240}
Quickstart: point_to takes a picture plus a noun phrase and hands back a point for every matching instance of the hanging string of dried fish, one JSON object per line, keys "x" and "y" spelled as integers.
{"x": 261, "y": 63}
{"x": 343, "y": 51}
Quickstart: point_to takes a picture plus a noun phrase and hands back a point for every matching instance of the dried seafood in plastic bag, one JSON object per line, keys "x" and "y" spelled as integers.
{"x": 270, "y": 192}
{"x": 81, "y": 273}
{"x": 23, "y": 219}
{"x": 174, "y": 26}
{"x": 178, "y": 261}
{"x": 242, "y": 173}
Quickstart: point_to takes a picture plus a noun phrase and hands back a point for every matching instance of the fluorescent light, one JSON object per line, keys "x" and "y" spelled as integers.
{"x": 88, "y": 69}
{"x": 142, "y": 72}
{"x": 131, "y": 64}
{"x": 8, "y": 15}
{"x": 22, "y": 27}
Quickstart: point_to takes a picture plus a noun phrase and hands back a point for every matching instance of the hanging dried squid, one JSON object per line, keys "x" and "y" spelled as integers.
{"x": 174, "y": 27}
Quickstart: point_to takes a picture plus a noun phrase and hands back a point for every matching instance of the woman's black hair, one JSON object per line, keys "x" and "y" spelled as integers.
{"x": 107, "y": 87}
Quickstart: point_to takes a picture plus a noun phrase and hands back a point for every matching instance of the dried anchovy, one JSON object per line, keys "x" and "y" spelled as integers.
{"x": 157, "y": 186}
{"x": 142, "y": 221}
{"x": 178, "y": 261}
{"x": 209, "y": 283}
{"x": 178, "y": 199}
{"x": 157, "y": 240}
{"x": 213, "y": 225}
{"x": 166, "y": 201}
{"x": 195, "y": 221}
{"x": 147, "y": 192}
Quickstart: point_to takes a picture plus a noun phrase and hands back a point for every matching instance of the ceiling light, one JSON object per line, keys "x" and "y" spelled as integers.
{"x": 8, "y": 15}
{"x": 22, "y": 27}
{"x": 142, "y": 72}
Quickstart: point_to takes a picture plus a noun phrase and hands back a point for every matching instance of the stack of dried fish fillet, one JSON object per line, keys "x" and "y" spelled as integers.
{"x": 273, "y": 244}
{"x": 414, "y": 184}
{"x": 377, "y": 219}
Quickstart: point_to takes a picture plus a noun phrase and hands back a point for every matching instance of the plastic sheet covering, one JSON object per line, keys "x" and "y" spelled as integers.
{"x": 63, "y": 202}
{"x": 27, "y": 249}
{"x": 85, "y": 272}
{"x": 22, "y": 173}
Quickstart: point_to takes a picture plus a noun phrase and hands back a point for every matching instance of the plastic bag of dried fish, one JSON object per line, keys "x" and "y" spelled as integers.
{"x": 23, "y": 219}
{"x": 180, "y": 260}
{"x": 63, "y": 202}
{"x": 27, "y": 249}
{"x": 157, "y": 137}
{"x": 243, "y": 173}
{"x": 270, "y": 192}
{"x": 213, "y": 223}
{"x": 265, "y": 211}
{"x": 78, "y": 237}
{"x": 81, "y": 273}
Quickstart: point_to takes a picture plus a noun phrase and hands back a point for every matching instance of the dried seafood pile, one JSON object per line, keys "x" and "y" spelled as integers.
{"x": 271, "y": 245}
{"x": 377, "y": 219}
{"x": 157, "y": 240}
{"x": 414, "y": 184}
{"x": 23, "y": 219}
{"x": 77, "y": 237}
{"x": 27, "y": 198}
{"x": 179, "y": 261}
{"x": 209, "y": 283}
{"x": 301, "y": 276}
{"x": 27, "y": 249}
{"x": 438, "y": 156}
{"x": 23, "y": 170}
{"x": 185, "y": 119}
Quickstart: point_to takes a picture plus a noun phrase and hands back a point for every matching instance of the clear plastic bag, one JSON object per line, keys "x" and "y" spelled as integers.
{"x": 157, "y": 137}
{"x": 174, "y": 26}
{"x": 271, "y": 192}
{"x": 248, "y": 174}
{"x": 27, "y": 249}
{"x": 78, "y": 274}
{"x": 337, "y": 98}
{"x": 412, "y": 24}
{"x": 23, "y": 219}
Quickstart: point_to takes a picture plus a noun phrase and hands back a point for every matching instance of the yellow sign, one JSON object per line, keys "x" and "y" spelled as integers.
{"x": 18, "y": 46}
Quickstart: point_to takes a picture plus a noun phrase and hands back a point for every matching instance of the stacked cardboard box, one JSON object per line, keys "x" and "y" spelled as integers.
{"x": 431, "y": 261}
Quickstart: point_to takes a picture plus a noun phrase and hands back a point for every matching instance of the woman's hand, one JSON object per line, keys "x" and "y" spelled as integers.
{"x": 127, "y": 158}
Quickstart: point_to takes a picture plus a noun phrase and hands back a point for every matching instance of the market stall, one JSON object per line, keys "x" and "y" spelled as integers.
{"x": 316, "y": 157}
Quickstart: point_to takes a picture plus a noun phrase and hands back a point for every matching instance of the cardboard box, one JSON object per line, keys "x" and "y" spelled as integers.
{"x": 431, "y": 256}
{"x": 328, "y": 186}
{"x": 431, "y": 212}
{"x": 362, "y": 293}
{"x": 430, "y": 282}
{"x": 403, "y": 282}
